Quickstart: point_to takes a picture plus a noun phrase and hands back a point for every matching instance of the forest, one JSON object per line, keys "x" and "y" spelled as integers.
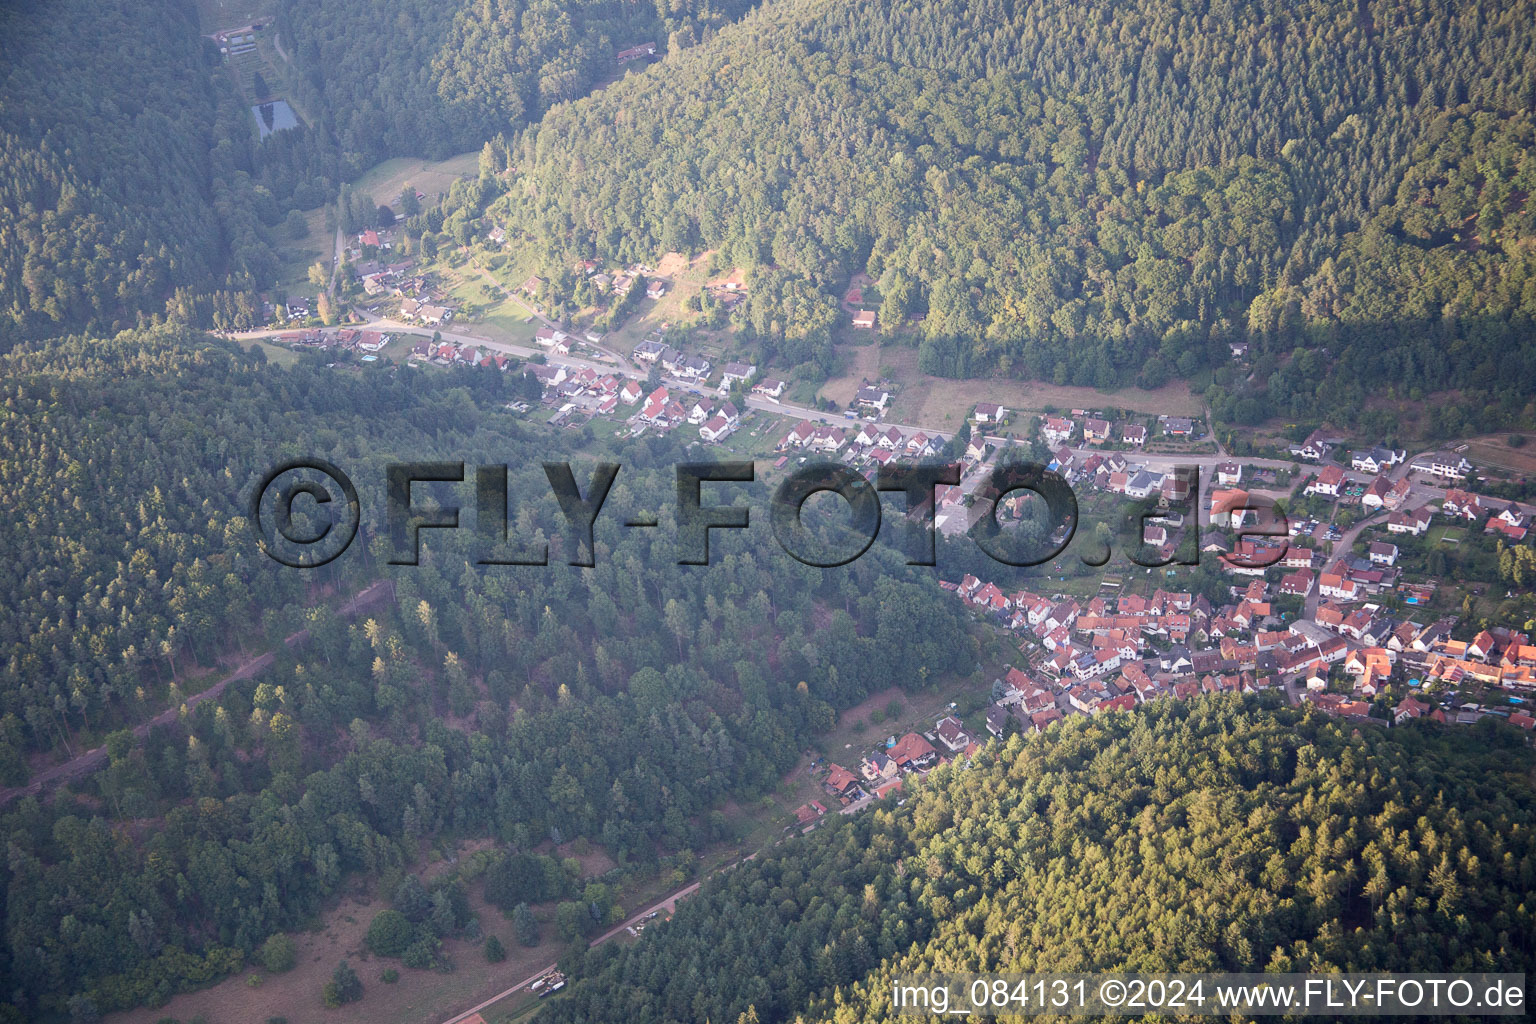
{"x": 123, "y": 182}
{"x": 433, "y": 79}
{"x": 1089, "y": 194}
{"x": 1221, "y": 834}
{"x": 133, "y": 186}
{"x": 1095, "y": 196}
{"x": 622, "y": 704}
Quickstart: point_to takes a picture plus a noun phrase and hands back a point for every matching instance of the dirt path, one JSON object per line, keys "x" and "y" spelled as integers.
{"x": 89, "y": 761}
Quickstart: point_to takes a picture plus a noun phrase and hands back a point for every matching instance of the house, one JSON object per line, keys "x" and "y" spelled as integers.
{"x": 920, "y": 444}
{"x": 829, "y": 440}
{"x": 648, "y": 351}
{"x": 635, "y": 53}
{"x": 842, "y": 783}
{"x": 1298, "y": 583}
{"x": 1462, "y": 505}
{"x": 1178, "y": 426}
{"x": 864, "y": 319}
{"x": 1133, "y": 433}
{"x": 951, "y": 732}
{"x": 1229, "y": 507}
{"x": 734, "y": 373}
{"x": 872, "y": 398}
{"x": 913, "y": 753}
{"x": 1229, "y": 474}
{"x": 1376, "y": 459}
{"x": 692, "y": 367}
{"x": 532, "y": 286}
{"x": 770, "y": 387}
{"x": 877, "y": 767}
{"x": 997, "y": 720}
{"x": 630, "y": 393}
{"x": 1095, "y": 431}
{"x": 716, "y": 429}
{"x": 1408, "y": 709}
{"x": 1315, "y": 448}
{"x": 655, "y": 410}
{"x": 1057, "y": 430}
{"x": 802, "y": 434}
{"x": 1341, "y": 588}
{"x": 1142, "y": 484}
{"x": 1369, "y": 661}
{"x": 1383, "y": 553}
{"x": 1510, "y": 521}
{"x": 990, "y": 413}
{"x": 698, "y": 411}
{"x": 1327, "y": 482}
{"x": 1375, "y": 495}
{"x": 297, "y": 307}
{"x": 655, "y": 289}
{"x": 549, "y": 337}
{"x": 1042, "y": 720}
{"x": 1445, "y": 466}
{"x": 1410, "y": 522}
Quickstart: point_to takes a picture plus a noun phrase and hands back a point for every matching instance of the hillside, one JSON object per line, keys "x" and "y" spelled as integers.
{"x": 624, "y": 705}
{"x": 390, "y": 78}
{"x": 1220, "y": 834}
{"x": 1099, "y": 195}
{"x": 125, "y": 174}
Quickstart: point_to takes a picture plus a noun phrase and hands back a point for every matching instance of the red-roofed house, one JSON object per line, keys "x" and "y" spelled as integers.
{"x": 913, "y": 753}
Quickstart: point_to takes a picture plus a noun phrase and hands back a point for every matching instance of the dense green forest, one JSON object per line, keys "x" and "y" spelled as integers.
{"x": 621, "y": 703}
{"x": 1094, "y": 194}
{"x": 132, "y": 180}
{"x": 126, "y": 170}
{"x": 1222, "y": 834}
{"x": 396, "y": 77}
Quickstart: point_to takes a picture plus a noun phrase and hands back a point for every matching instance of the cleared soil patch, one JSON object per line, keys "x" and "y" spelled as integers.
{"x": 419, "y": 997}
{"x": 672, "y": 264}
{"x": 863, "y": 363}
{"x": 940, "y": 403}
{"x": 385, "y": 181}
{"x": 1495, "y": 451}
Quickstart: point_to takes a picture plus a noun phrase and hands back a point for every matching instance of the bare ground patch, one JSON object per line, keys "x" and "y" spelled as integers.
{"x": 1494, "y": 450}
{"x": 940, "y": 403}
{"x": 419, "y": 997}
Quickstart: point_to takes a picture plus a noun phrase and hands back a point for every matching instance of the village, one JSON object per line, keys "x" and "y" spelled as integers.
{"x": 1316, "y": 613}
{"x": 1331, "y": 593}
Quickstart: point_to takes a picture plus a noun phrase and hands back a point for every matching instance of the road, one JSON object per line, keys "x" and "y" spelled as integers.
{"x": 341, "y": 247}
{"x": 668, "y": 905}
{"x": 89, "y": 761}
{"x": 618, "y": 365}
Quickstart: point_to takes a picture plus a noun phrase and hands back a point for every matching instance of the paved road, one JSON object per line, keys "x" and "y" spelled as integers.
{"x": 619, "y": 366}
{"x": 89, "y": 761}
{"x": 668, "y": 905}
